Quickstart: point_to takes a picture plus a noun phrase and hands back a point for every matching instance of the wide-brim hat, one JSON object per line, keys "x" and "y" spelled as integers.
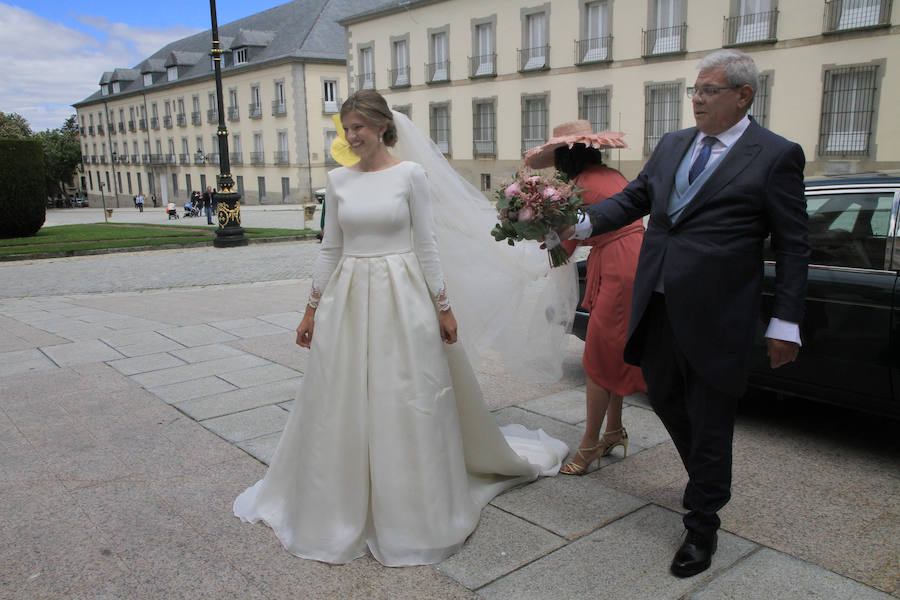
{"x": 569, "y": 134}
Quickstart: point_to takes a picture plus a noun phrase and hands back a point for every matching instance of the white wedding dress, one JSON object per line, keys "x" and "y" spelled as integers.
{"x": 389, "y": 446}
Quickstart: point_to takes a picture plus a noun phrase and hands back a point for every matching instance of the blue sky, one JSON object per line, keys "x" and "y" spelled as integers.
{"x": 55, "y": 51}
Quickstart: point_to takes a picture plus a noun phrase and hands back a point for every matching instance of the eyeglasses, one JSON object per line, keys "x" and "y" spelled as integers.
{"x": 707, "y": 91}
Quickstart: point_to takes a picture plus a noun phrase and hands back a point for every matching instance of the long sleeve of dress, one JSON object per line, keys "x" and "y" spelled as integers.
{"x": 425, "y": 236}
{"x": 331, "y": 249}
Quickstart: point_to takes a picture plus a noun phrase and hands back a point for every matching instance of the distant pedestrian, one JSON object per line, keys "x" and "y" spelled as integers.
{"x": 139, "y": 202}
{"x": 153, "y": 199}
{"x": 209, "y": 201}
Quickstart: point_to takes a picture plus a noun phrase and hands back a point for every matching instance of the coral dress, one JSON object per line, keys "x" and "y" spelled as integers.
{"x": 610, "y": 278}
{"x": 389, "y": 447}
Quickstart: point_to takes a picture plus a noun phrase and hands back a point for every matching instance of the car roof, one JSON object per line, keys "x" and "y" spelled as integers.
{"x": 878, "y": 178}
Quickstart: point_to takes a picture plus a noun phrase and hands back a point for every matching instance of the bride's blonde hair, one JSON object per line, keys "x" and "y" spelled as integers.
{"x": 373, "y": 108}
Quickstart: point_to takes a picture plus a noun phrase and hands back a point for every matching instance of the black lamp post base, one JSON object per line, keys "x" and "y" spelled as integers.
{"x": 228, "y": 212}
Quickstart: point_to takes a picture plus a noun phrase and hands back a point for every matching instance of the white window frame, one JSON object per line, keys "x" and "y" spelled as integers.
{"x": 535, "y": 38}
{"x": 171, "y": 73}
{"x": 484, "y": 48}
{"x": 401, "y": 63}
{"x": 597, "y": 27}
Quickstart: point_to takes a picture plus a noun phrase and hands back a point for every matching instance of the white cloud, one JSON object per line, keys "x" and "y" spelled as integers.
{"x": 48, "y": 66}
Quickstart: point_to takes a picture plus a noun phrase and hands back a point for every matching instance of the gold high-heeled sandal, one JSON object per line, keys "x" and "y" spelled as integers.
{"x": 589, "y": 455}
{"x": 623, "y": 441}
{"x": 573, "y": 468}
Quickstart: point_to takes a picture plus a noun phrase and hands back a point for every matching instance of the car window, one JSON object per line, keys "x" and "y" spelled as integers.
{"x": 848, "y": 229}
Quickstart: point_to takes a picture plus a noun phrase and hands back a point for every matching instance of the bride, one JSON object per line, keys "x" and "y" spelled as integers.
{"x": 389, "y": 447}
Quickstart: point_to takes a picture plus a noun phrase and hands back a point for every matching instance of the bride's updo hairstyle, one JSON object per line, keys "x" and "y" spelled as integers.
{"x": 373, "y": 108}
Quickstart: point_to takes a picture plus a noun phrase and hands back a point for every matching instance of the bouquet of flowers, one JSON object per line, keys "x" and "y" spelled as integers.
{"x": 533, "y": 206}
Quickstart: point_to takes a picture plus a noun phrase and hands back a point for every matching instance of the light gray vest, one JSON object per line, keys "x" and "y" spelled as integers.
{"x": 683, "y": 192}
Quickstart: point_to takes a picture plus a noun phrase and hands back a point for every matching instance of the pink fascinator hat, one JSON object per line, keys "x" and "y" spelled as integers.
{"x": 569, "y": 134}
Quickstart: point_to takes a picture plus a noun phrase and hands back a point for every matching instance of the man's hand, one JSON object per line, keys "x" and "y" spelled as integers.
{"x": 781, "y": 352}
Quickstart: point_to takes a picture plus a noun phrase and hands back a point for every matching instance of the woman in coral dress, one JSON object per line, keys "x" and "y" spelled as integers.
{"x": 611, "y": 264}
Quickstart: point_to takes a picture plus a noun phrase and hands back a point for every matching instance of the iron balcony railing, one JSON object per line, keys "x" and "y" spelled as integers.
{"x": 236, "y": 158}
{"x": 196, "y": 118}
{"x": 121, "y": 126}
{"x": 99, "y": 129}
{"x": 365, "y": 81}
{"x": 665, "y": 40}
{"x": 257, "y": 158}
{"x": 213, "y": 158}
{"x": 752, "y": 28}
{"x": 484, "y": 65}
{"x": 181, "y": 119}
{"x": 142, "y": 124}
{"x": 167, "y": 121}
{"x": 234, "y": 113}
{"x": 136, "y": 159}
{"x": 199, "y": 158}
{"x": 329, "y": 107}
{"x": 93, "y": 159}
{"x": 279, "y": 107}
{"x": 146, "y": 158}
{"x": 102, "y": 159}
{"x": 843, "y": 15}
{"x": 533, "y": 59}
{"x": 437, "y": 72}
{"x": 282, "y": 157}
{"x": 154, "y": 122}
{"x": 131, "y": 126}
{"x": 171, "y": 159}
{"x": 255, "y": 111}
{"x": 399, "y": 77}
{"x": 593, "y": 50}
{"x": 212, "y": 115}
{"x": 484, "y": 148}
{"x": 90, "y": 130}
{"x": 184, "y": 159}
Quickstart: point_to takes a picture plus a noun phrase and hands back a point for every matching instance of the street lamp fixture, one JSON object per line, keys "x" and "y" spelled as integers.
{"x": 103, "y": 199}
{"x": 228, "y": 202}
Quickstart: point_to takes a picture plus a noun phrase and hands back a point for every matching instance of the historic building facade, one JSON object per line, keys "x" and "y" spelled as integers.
{"x": 489, "y": 80}
{"x": 151, "y": 129}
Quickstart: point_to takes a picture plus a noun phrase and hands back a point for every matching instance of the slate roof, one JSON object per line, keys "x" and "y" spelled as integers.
{"x": 301, "y": 29}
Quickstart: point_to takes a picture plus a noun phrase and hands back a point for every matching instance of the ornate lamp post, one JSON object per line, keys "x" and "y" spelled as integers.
{"x": 228, "y": 202}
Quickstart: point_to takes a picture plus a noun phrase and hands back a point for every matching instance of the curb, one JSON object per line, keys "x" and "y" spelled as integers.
{"x": 97, "y": 251}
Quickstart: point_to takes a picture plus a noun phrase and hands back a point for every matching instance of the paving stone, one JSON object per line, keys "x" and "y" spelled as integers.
{"x": 81, "y": 352}
{"x": 246, "y": 378}
{"x": 567, "y": 406}
{"x": 567, "y": 505}
{"x": 644, "y": 428}
{"x": 286, "y": 320}
{"x": 198, "y": 370}
{"x": 638, "y": 399}
{"x": 137, "y": 344}
{"x": 145, "y": 363}
{"x": 24, "y": 361}
{"x": 501, "y": 543}
{"x": 197, "y": 335}
{"x": 239, "y": 400}
{"x": 205, "y": 353}
{"x": 768, "y": 574}
{"x": 263, "y": 447}
{"x": 248, "y": 424}
{"x": 246, "y": 328}
{"x": 194, "y": 388}
{"x": 628, "y": 558}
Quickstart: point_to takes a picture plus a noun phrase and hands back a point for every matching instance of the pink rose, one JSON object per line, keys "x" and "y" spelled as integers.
{"x": 550, "y": 193}
{"x": 526, "y": 214}
{"x": 512, "y": 191}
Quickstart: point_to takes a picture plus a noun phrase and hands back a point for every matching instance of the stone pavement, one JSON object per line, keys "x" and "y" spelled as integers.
{"x": 131, "y": 418}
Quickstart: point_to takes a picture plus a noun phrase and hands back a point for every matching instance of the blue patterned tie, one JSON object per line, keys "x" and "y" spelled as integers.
{"x": 702, "y": 158}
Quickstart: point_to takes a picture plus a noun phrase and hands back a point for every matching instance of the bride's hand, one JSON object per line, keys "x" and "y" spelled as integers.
{"x": 447, "y": 323}
{"x": 305, "y": 328}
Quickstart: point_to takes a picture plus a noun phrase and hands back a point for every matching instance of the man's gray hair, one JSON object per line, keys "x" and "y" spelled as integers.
{"x": 739, "y": 68}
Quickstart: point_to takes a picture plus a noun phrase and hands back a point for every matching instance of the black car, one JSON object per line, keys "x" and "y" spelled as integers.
{"x": 851, "y": 330}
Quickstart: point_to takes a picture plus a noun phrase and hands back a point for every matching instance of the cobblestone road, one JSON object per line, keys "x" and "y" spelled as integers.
{"x": 163, "y": 269}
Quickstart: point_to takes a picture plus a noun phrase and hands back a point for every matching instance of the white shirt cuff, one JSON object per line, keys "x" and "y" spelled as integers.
{"x": 583, "y": 227}
{"x": 784, "y": 330}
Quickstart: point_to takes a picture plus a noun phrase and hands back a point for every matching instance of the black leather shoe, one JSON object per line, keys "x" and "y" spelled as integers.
{"x": 695, "y": 554}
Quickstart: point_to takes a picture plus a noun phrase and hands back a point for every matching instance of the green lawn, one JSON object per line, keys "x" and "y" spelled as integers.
{"x": 51, "y": 241}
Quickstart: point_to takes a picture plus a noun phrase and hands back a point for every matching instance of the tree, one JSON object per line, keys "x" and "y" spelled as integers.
{"x": 62, "y": 155}
{"x": 14, "y": 125}
{"x": 23, "y": 203}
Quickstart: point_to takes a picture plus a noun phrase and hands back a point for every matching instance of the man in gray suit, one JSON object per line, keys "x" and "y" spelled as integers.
{"x": 714, "y": 192}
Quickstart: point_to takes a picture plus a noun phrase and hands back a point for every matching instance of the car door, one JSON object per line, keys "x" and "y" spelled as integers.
{"x": 846, "y": 332}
